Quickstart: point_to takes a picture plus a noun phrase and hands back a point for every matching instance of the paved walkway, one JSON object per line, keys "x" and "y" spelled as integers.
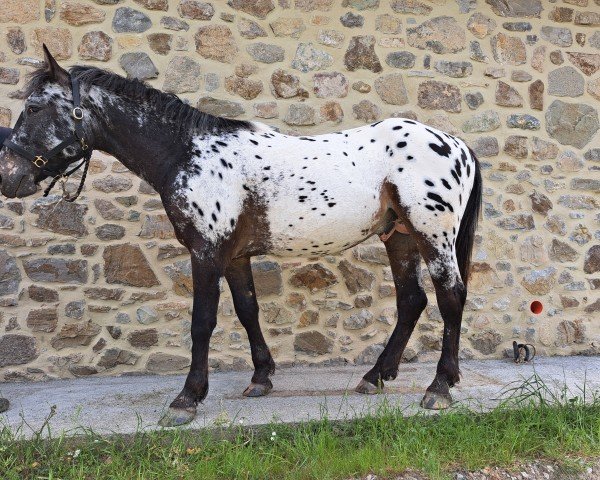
{"x": 128, "y": 403}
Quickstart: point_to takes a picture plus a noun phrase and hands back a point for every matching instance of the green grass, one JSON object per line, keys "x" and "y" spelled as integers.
{"x": 532, "y": 422}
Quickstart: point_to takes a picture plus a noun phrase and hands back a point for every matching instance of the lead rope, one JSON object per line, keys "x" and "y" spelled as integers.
{"x": 64, "y": 176}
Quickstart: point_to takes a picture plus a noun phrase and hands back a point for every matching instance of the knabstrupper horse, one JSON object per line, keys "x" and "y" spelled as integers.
{"x": 234, "y": 189}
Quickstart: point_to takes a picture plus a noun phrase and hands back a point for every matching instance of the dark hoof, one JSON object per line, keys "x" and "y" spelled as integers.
{"x": 258, "y": 389}
{"x": 436, "y": 401}
{"x": 175, "y": 417}
{"x": 4, "y": 405}
{"x": 368, "y": 388}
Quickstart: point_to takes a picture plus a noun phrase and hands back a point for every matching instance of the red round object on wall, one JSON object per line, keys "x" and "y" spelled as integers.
{"x": 536, "y": 307}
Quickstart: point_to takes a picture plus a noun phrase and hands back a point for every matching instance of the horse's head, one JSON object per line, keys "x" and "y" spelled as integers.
{"x": 47, "y": 137}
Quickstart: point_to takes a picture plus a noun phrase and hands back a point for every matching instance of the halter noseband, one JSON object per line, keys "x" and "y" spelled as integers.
{"x": 41, "y": 160}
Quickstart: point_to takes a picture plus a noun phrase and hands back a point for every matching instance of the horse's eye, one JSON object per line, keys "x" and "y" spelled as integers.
{"x": 33, "y": 109}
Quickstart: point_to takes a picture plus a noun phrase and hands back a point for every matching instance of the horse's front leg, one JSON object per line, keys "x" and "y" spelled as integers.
{"x": 206, "y": 277}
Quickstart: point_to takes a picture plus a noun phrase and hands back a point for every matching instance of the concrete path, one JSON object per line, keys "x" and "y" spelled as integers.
{"x": 129, "y": 403}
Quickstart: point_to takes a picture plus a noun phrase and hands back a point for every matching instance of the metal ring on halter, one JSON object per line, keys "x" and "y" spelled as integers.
{"x": 40, "y": 161}
{"x": 77, "y": 113}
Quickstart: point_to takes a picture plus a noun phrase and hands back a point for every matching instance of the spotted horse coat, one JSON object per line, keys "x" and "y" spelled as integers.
{"x": 235, "y": 189}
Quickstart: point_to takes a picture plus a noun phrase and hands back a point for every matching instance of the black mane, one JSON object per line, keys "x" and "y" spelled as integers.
{"x": 171, "y": 107}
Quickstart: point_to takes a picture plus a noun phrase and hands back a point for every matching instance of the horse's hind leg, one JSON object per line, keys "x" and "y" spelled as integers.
{"x": 410, "y": 299}
{"x": 241, "y": 284}
{"x": 451, "y": 295}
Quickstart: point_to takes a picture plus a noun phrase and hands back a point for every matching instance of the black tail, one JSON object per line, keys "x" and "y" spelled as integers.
{"x": 468, "y": 224}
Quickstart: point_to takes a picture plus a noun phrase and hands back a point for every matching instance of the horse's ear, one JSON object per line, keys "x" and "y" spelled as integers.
{"x": 56, "y": 71}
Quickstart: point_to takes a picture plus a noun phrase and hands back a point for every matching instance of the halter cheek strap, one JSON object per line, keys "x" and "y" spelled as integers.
{"x": 41, "y": 160}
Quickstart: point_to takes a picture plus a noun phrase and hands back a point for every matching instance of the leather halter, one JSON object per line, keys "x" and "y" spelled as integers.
{"x": 41, "y": 160}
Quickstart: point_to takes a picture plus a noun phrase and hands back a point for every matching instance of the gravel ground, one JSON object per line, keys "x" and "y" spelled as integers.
{"x": 538, "y": 470}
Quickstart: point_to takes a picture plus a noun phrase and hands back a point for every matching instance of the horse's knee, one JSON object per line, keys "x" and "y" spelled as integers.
{"x": 202, "y": 328}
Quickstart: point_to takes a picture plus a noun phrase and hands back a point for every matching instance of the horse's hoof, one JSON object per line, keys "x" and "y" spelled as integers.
{"x": 4, "y": 405}
{"x": 175, "y": 417}
{"x": 436, "y": 401}
{"x": 367, "y": 388}
{"x": 257, "y": 390}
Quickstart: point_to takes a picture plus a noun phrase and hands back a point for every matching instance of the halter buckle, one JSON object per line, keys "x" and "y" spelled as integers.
{"x": 77, "y": 113}
{"x": 40, "y": 161}
{"x": 84, "y": 145}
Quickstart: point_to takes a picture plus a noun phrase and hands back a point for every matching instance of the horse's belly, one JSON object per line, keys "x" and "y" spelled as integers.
{"x": 298, "y": 230}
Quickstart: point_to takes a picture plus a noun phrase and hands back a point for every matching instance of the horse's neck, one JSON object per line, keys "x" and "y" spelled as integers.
{"x": 139, "y": 139}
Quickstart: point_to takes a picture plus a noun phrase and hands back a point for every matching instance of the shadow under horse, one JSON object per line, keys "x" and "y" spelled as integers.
{"x": 235, "y": 189}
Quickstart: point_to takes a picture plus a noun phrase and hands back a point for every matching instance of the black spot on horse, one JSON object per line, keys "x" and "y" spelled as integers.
{"x": 253, "y": 142}
{"x": 446, "y": 184}
{"x": 397, "y": 127}
{"x": 436, "y": 198}
{"x": 444, "y": 149}
{"x": 218, "y": 205}
{"x": 223, "y": 162}
{"x": 429, "y": 183}
{"x": 331, "y": 204}
{"x": 214, "y": 217}
{"x": 401, "y": 144}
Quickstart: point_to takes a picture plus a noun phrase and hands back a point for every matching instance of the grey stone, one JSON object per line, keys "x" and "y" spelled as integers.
{"x": 182, "y": 75}
{"x": 476, "y": 53}
{"x": 222, "y": 108}
{"x": 400, "y": 59}
{"x": 559, "y": 36}
{"x": 485, "y": 146}
{"x": 517, "y": 26}
{"x": 313, "y": 343}
{"x": 415, "y": 7}
{"x": 516, "y": 8}
{"x": 331, "y": 38}
{"x": 308, "y": 58}
{"x": 173, "y": 23}
{"x": 17, "y": 350}
{"x": 440, "y": 35}
{"x": 138, "y": 65}
{"x": 588, "y": 184}
{"x": 266, "y": 53}
{"x": 366, "y": 111}
{"x": 358, "y": 321}
{"x": 523, "y": 121}
{"x": 508, "y": 50}
{"x": 165, "y": 362}
{"x": 485, "y": 121}
{"x": 579, "y": 202}
{"x": 391, "y": 89}
{"x": 267, "y": 278}
{"x": 10, "y": 275}
{"x": 571, "y": 123}
{"x": 299, "y": 114}
{"x": 361, "y": 4}
{"x": 146, "y": 315}
{"x": 369, "y": 355}
{"x": 565, "y": 82}
{"x": 455, "y": 69}
{"x": 127, "y": 19}
{"x": 521, "y": 221}
{"x": 434, "y": 95}
{"x": 487, "y": 341}
{"x": 250, "y": 29}
{"x": 116, "y": 356}
{"x": 66, "y": 218}
{"x": 56, "y": 270}
{"x": 352, "y": 20}
{"x": 110, "y": 231}
{"x": 331, "y": 84}
{"x": 474, "y": 100}
{"x": 507, "y": 96}
{"x": 481, "y": 25}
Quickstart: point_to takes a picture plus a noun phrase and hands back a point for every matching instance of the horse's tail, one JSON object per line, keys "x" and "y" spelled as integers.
{"x": 468, "y": 224}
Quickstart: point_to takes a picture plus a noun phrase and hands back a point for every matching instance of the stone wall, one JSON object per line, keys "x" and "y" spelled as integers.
{"x": 101, "y": 286}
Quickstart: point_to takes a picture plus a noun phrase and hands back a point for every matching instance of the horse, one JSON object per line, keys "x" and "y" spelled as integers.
{"x": 234, "y": 189}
